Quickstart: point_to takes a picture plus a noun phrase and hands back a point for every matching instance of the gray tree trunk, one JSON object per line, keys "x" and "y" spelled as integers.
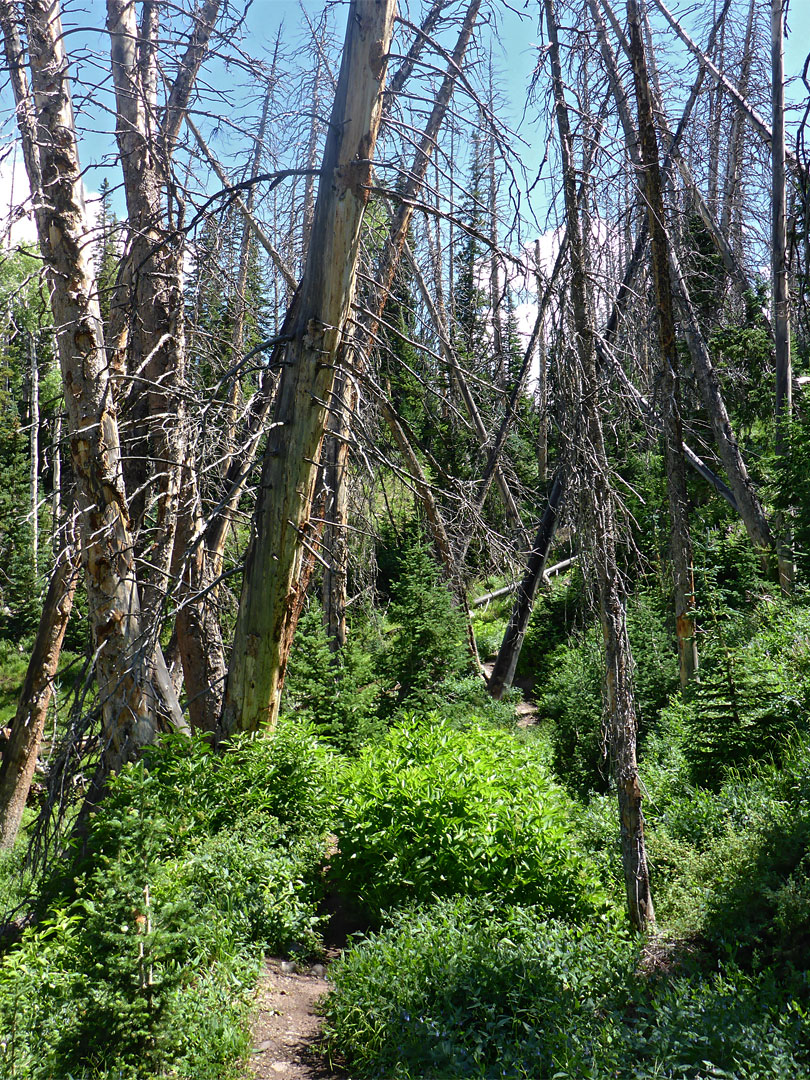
{"x": 598, "y": 512}
{"x": 265, "y": 618}
{"x": 680, "y": 539}
{"x": 781, "y": 293}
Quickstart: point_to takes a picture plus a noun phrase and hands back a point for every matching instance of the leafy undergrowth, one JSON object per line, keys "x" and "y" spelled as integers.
{"x": 142, "y": 959}
{"x": 481, "y": 981}
{"x": 435, "y": 811}
{"x": 464, "y": 990}
{"x": 483, "y": 860}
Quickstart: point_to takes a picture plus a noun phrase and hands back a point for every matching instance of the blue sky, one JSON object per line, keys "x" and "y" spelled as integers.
{"x": 513, "y": 43}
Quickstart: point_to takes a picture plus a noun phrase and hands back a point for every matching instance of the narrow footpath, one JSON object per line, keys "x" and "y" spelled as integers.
{"x": 286, "y": 1026}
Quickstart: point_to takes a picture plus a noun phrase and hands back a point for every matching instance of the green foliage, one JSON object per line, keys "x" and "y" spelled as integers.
{"x": 463, "y": 700}
{"x": 792, "y": 495}
{"x": 571, "y": 698}
{"x": 739, "y": 713}
{"x": 744, "y": 354}
{"x": 336, "y": 692}
{"x": 728, "y": 576}
{"x": 464, "y": 991}
{"x": 571, "y": 693}
{"x": 26, "y": 322}
{"x": 437, "y": 812}
{"x": 461, "y": 990}
{"x": 490, "y": 620}
{"x": 429, "y": 640}
{"x": 554, "y": 616}
{"x": 143, "y": 957}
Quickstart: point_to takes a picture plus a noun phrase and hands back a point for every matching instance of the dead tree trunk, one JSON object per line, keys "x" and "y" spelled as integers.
{"x": 34, "y": 445}
{"x": 645, "y": 155}
{"x": 22, "y": 747}
{"x": 703, "y": 207}
{"x": 262, "y": 633}
{"x": 597, "y": 507}
{"x": 155, "y": 343}
{"x": 781, "y": 295}
{"x": 363, "y": 337}
{"x": 730, "y": 223}
{"x": 503, "y": 672}
{"x": 128, "y": 676}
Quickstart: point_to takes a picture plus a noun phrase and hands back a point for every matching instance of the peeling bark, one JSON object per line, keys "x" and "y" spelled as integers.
{"x": 268, "y": 600}
{"x": 128, "y": 670}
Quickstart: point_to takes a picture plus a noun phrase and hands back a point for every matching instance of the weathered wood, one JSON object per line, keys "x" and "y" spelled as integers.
{"x": 126, "y": 671}
{"x": 650, "y": 179}
{"x": 20, "y": 753}
{"x": 597, "y": 505}
{"x": 783, "y": 404}
{"x": 273, "y": 562}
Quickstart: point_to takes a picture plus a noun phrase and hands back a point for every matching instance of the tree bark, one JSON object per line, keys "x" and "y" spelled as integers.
{"x": 273, "y": 562}
{"x": 20, "y": 753}
{"x": 503, "y": 672}
{"x": 679, "y": 536}
{"x": 127, "y": 672}
{"x": 155, "y": 344}
{"x": 335, "y": 464}
{"x": 781, "y": 294}
{"x": 599, "y": 514}
{"x": 363, "y": 337}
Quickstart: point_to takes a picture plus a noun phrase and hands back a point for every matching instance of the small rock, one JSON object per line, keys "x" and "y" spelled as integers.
{"x": 319, "y": 970}
{"x": 288, "y": 967}
{"x": 280, "y": 1066}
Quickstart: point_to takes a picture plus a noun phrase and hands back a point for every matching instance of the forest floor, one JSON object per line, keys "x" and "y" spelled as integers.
{"x": 286, "y": 1027}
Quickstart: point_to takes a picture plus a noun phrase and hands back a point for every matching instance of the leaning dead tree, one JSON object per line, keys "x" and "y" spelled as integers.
{"x": 27, "y": 727}
{"x": 355, "y": 357}
{"x": 643, "y": 152}
{"x": 315, "y": 326}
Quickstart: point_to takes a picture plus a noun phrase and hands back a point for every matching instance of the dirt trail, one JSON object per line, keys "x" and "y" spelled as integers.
{"x": 286, "y": 1027}
{"x": 525, "y": 710}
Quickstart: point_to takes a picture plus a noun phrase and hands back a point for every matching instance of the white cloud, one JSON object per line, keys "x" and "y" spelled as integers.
{"x": 16, "y": 217}
{"x": 17, "y": 226}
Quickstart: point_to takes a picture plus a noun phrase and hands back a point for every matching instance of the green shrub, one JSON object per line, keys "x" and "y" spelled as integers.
{"x": 429, "y": 642}
{"x": 461, "y": 990}
{"x": 571, "y": 694}
{"x": 465, "y": 700}
{"x": 740, "y": 712}
{"x": 435, "y": 811}
{"x": 571, "y": 699}
{"x": 732, "y": 865}
{"x": 337, "y": 692}
{"x": 554, "y": 616}
{"x": 195, "y": 864}
{"x": 285, "y": 780}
